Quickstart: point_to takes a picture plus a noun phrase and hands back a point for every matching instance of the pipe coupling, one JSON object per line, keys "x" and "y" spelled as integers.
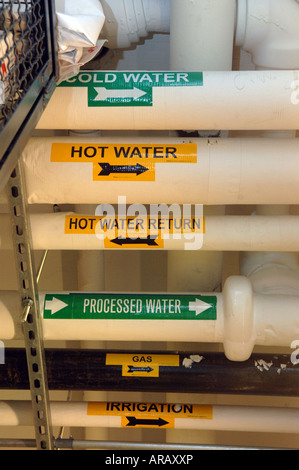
{"x": 238, "y": 312}
{"x": 268, "y": 30}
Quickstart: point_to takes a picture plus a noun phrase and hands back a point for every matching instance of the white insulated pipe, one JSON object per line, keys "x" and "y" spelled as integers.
{"x": 241, "y": 319}
{"x": 214, "y": 172}
{"x": 218, "y": 417}
{"x": 202, "y": 34}
{"x": 233, "y": 100}
{"x": 222, "y": 233}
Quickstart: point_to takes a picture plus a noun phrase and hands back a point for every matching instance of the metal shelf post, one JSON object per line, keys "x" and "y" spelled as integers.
{"x": 29, "y": 310}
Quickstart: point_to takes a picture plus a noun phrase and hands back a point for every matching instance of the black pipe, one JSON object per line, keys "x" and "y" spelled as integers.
{"x": 69, "y": 369}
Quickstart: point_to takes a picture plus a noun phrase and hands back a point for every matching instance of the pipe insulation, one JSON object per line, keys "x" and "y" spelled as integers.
{"x": 231, "y": 100}
{"x": 173, "y": 170}
{"x": 159, "y": 371}
{"x": 221, "y": 233}
{"x": 238, "y": 318}
{"x": 161, "y": 415}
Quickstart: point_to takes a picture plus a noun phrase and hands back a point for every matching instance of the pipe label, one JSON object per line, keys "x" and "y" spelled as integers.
{"x": 142, "y": 232}
{"x": 142, "y": 365}
{"x": 149, "y": 415}
{"x": 122, "y": 89}
{"x": 123, "y": 162}
{"x": 88, "y": 306}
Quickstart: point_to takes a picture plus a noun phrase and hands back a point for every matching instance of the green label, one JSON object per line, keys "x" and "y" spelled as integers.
{"x": 130, "y": 307}
{"x": 129, "y": 88}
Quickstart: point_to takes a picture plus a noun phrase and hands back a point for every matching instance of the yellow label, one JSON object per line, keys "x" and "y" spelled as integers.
{"x": 142, "y": 365}
{"x": 81, "y": 224}
{"x": 132, "y": 232}
{"x": 132, "y": 227}
{"x": 159, "y": 359}
{"x": 123, "y": 162}
{"x": 156, "y": 415}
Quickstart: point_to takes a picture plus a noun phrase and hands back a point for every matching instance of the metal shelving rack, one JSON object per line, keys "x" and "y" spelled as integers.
{"x": 28, "y": 76}
{"x": 28, "y": 73}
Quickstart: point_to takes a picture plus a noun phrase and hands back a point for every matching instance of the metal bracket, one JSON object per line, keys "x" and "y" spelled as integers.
{"x": 21, "y": 234}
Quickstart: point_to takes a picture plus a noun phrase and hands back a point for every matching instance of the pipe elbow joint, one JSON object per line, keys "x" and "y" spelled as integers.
{"x": 238, "y": 311}
{"x": 269, "y": 32}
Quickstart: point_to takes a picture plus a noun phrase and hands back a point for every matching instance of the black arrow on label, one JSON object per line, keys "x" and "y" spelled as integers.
{"x": 138, "y": 241}
{"x": 133, "y": 421}
{"x": 139, "y": 369}
{"x": 107, "y": 169}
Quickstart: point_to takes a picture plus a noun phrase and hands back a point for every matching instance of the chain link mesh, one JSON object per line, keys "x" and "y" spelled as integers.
{"x": 23, "y": 51}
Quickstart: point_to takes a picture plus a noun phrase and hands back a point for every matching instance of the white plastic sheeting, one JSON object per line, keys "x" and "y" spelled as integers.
{"x": 78, "y": 29}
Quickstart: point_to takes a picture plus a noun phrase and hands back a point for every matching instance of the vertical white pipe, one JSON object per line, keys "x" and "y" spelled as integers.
{"x": 202, "y": 34}
{"x": 201, "y": 38}
{"x": 272, "y": 272}
{"x": 206, "y": 44}
{"x": 190, "y": 271}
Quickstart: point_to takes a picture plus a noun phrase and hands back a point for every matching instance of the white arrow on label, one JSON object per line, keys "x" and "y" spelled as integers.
{"x": 198, "y": 306}
{"x": 55, "y": 305}
{"x": 104, "y": 93}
